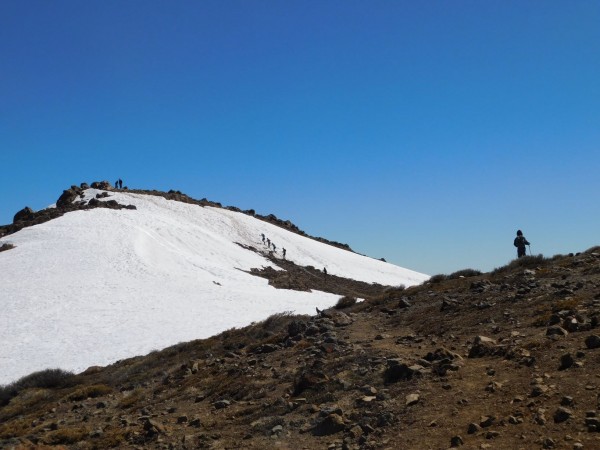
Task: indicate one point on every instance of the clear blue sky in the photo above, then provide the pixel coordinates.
(423, 132)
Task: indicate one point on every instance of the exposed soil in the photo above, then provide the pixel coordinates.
(506, 360)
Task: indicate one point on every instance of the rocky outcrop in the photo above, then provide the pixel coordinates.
(24, 215)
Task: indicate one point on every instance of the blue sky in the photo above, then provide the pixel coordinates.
(423, 132)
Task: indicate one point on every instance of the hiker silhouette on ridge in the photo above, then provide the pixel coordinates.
(520, 242)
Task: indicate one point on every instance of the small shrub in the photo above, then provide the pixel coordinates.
(132, 398)
(438, 278)
(465, 273)
(277, 321)
(570, 304)
(526, 262)
(345, 302)
(14, 428)
(66, 436)
(44, 379)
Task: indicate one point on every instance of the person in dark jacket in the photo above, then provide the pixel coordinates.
(520, 242)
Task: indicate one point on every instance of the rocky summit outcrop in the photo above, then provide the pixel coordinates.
(68, 201)
(511, 361)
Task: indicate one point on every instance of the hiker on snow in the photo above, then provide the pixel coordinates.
(520, 242)
(284, 250)
(263, 237)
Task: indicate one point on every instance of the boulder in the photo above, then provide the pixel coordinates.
(482, 346)
(331, 424)
(23, 215)
(592, 341)
(67, 198)
(102, 185)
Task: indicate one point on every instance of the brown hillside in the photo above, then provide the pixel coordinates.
(506, 360)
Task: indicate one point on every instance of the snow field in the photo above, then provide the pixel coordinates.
(93, 287)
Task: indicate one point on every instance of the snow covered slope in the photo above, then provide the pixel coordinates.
(95, 286)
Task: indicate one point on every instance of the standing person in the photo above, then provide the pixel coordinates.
(120, 184)
(117, 184)
(263, 237)
(324, 273)
(274, 248)
(520, 242)
(284, 251)
(268, 243)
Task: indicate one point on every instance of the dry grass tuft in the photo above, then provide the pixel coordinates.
(345, 302)
(96, 390)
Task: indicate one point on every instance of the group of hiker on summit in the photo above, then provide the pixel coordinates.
(270, 244)
(119, 184)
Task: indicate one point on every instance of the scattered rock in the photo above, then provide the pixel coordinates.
(562, 414)
(592, 341)
(456, 441)
(25, 214)
(412, 399)
(331, 424)
(556, 331)
(566, 361)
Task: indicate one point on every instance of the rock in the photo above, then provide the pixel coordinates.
(331, 424)
(25, 214)
(538, 389)
(296, 328)
(562, 414)
(309, 380)
(482, 346)
(473, 428)
(220, 404)
(182, 419)
(102, 185)
(153, 427)
(486, 421)
(404, 303)
(195, 422)
(492, 434)
(366, 399)
(266, 348)
(566, 361)
(592, 341)
(592, 423)
(567, 401)
(556, 331)
(412, 399)
(456, 441)
(67, 198)
(513, 420)
(493, 386)
(356, 431)
(398, 371)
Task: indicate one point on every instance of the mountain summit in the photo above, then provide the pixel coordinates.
(126, 272)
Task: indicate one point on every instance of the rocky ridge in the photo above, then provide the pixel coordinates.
(67, 202)
(504, 360)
